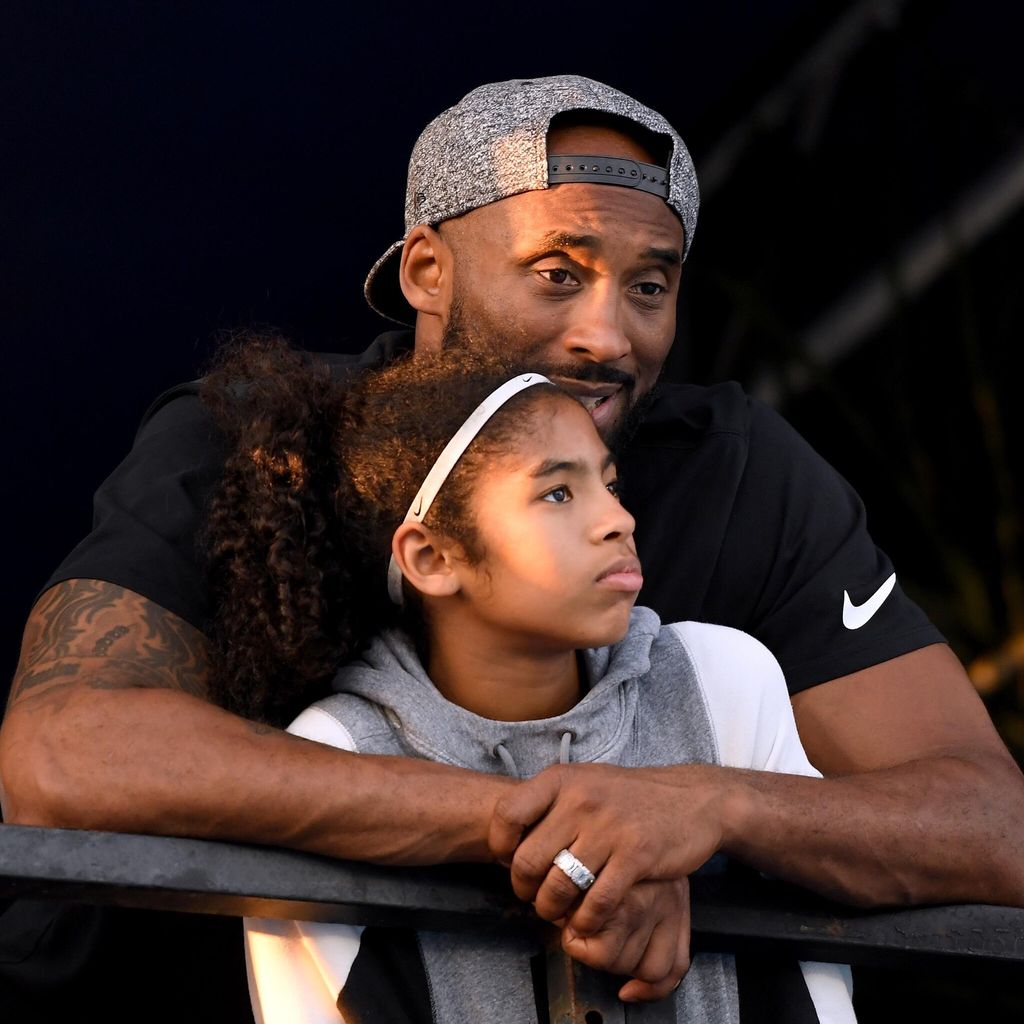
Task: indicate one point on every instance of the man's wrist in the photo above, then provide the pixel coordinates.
(480, 795)
(722, 800)
(738, 806)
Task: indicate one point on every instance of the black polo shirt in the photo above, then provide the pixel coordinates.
(739, 522)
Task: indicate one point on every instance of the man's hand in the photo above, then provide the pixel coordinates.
(646, 938)
(626, 825)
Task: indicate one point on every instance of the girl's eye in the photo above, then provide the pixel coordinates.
(559, 495)
(558, 275)
(613, 488)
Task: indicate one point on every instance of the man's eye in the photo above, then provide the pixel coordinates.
(650, 288)
(559, 495)
(558, 275)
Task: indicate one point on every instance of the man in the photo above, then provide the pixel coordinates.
(557, 212)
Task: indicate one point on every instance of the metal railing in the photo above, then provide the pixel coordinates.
(730, 914)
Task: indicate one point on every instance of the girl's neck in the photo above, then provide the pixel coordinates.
(503, 681)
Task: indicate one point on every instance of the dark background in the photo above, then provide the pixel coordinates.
(169, 171)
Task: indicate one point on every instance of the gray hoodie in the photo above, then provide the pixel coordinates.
(687, 693)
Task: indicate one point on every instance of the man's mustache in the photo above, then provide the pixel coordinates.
(458, 335)
(591, 373)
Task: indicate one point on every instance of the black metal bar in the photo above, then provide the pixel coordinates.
(225, 878)
(749, 915)
(197, 876)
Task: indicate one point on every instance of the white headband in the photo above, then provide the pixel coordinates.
(445, 463)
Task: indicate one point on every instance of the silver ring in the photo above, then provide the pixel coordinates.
(578, 873)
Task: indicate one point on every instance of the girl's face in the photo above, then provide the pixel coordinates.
(559, 567)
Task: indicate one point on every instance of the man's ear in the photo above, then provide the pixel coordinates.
(426, 561)
(426, 271)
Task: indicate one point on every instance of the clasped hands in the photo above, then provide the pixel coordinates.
(642, 832)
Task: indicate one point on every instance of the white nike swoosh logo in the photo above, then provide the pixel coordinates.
(856, 615)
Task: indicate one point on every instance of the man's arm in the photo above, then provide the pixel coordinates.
(923, 805)
(108, 727)
(914, 735)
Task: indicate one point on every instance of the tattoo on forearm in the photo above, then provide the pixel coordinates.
(61, 670)
(104, 643)
(106, 637)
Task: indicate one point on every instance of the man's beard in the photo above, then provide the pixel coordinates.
(617, 434)
(460, 333)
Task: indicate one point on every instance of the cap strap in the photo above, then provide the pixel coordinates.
(608, 170)
(446, 461)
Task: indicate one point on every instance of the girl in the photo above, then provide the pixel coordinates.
(448, 531)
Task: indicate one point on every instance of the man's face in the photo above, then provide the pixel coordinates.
(583, 278)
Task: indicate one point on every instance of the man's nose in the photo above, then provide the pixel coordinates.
(596, 333)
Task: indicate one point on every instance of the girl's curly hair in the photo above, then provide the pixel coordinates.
(319, 473)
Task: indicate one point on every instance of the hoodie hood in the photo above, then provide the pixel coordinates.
(599, 728)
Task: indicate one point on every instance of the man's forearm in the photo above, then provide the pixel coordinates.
(940, 829)
(108, 727)
(166, 762)
(922, 803)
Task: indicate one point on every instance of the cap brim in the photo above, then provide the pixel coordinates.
(382, 290)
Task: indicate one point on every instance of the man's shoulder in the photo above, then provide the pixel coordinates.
(684, 414)
(386, 347)
(179, 405)
(725, 418)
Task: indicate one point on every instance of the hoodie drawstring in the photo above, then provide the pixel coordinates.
(563, 749)
(508, 761)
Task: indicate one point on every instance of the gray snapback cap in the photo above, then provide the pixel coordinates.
(492, 145)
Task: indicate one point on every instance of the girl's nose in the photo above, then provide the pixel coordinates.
(617, 522)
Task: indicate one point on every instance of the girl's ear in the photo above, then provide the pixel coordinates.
(425, 561)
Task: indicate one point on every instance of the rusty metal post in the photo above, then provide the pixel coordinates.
(577, 994)
(580, 995)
